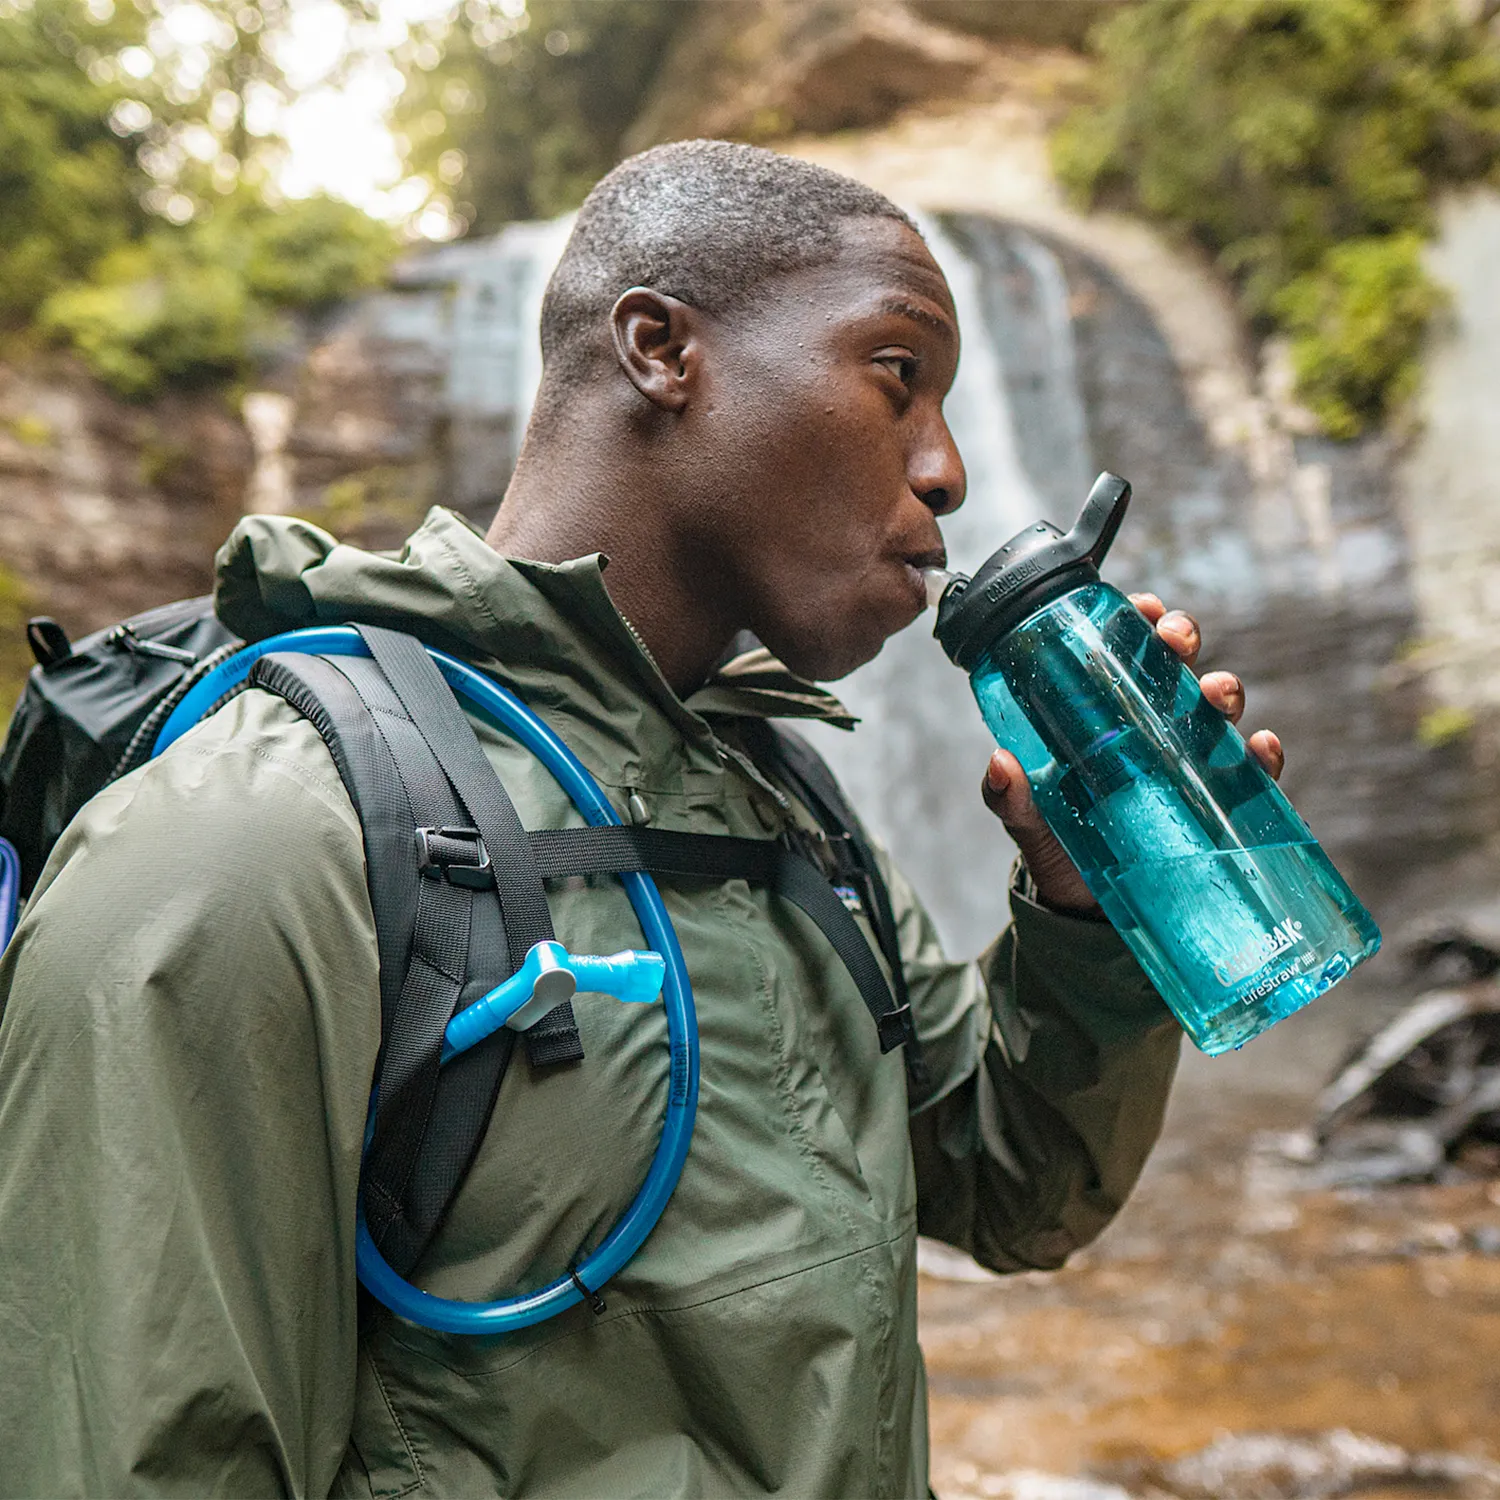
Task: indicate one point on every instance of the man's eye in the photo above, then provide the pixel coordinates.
(902, 366)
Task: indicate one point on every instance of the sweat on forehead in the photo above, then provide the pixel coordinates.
(702, 221)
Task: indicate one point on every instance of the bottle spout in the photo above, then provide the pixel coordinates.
(1034, 565)
(1095, 529)
(938, 581)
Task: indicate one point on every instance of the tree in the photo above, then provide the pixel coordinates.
(138, 219)
(189, 305)
(514, 112)
(1301, 142)
(70, 187)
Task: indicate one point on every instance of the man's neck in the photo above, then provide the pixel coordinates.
(550, 514)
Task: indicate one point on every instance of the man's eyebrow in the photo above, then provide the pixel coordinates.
(902, 308)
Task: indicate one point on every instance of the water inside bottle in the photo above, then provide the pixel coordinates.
(1229, 903)
(1271, 925)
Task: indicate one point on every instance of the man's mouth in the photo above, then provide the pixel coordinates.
(916, 565)
(933, 557)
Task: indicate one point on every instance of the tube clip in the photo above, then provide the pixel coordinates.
(549, 976)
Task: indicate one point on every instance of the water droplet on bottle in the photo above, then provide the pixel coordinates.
(1333, 971)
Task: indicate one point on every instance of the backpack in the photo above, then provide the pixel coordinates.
(456, 883)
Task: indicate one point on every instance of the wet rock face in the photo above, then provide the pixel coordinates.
(1047, 23)
(1293, 553)
(759, 69)
(106, 509)
(1300, 576)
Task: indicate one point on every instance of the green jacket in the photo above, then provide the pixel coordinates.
(189, 1029)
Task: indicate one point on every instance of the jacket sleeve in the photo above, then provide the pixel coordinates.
(1049, 1061)
(190, 1021)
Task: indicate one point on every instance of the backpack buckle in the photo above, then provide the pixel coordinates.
(457, 855)
(896, 1029)
(825, 852)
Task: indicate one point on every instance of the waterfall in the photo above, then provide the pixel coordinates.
(914, 765)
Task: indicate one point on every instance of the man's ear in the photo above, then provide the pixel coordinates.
(656, 342)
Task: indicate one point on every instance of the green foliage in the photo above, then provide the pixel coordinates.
(1444, 726)
(515, 116)
(187, 306)
(131, 224)
(1356, 326)
(69, 185)
(312, 253)
(375, 508)
(29, 429)
(1301, 142)
(17, 605)
(154, 318)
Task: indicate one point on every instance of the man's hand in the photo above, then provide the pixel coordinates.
(1008, 796)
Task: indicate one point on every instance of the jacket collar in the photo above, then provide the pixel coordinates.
(551, 629)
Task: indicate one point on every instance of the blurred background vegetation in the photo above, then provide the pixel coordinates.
(141, 223)
(1302, 142)
(142, 226)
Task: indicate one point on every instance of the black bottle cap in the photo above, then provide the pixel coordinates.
(1031, 569)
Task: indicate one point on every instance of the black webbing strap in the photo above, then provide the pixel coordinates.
(796, 762)
(658, 851)
(431, 706)
(441, 944)
(788, 756)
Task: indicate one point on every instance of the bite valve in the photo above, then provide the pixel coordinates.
(549, 976)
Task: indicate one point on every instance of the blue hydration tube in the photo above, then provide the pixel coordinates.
(511, 715)
(10, 890)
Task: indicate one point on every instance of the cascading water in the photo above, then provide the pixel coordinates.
(1064, 371)
(914, 765)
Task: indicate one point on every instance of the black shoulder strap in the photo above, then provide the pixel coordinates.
(442, 941)
(790, 757)
(659, 851)
(430, 706)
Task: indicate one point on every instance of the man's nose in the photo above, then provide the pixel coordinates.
(936, 472)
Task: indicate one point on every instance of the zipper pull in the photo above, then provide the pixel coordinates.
(123, 638)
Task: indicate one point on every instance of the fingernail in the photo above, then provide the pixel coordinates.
(1179, 621)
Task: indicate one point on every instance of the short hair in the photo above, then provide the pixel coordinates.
(703, 221)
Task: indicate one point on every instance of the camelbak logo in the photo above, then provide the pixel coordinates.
(1009, 581)
(1259, 951)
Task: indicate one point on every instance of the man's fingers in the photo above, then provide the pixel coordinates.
(1007, 793)
(1149, 605)
(1180, 631)
(1056, 879)
(1226, 692)
(1266, 748)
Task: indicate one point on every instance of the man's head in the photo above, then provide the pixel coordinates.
(758, 350)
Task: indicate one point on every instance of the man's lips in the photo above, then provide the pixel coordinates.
(934, 557)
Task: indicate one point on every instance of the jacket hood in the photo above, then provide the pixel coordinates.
(540, 626)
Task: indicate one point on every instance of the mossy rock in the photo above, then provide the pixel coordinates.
(1303, 143)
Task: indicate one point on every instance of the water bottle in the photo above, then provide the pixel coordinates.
(1205, 869)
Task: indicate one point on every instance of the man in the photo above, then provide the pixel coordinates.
(745, 361)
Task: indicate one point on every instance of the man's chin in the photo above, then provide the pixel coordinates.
(828, 662)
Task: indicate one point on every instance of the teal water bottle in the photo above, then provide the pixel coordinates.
(1214, 882)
